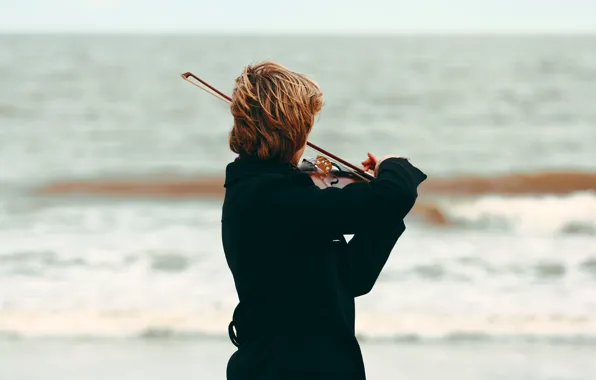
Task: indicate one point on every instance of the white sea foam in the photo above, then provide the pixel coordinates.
(154, 269)
(371, 326)
(549, 214)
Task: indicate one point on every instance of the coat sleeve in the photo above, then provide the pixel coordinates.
(369, 249)
(368, 252)
(351, 209)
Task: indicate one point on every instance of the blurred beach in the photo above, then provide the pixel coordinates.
(111, 166)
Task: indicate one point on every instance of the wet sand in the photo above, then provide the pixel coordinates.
(563, 182)
(206, 360)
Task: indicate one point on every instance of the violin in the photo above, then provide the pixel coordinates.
(326, 170)
(325, 173)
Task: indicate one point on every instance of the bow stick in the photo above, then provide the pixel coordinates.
(220, 95)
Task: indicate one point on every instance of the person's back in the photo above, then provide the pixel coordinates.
(295, 275)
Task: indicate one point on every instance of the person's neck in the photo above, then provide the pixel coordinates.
(296, 159)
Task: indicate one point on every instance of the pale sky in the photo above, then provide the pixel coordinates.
(305, 16)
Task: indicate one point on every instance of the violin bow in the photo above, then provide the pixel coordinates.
(220, 95)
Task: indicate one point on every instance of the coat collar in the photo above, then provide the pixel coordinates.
(245, 167)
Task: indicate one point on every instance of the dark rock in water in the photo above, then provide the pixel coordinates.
(589, 266)
(157, 333)
(434, 271)
(170, 262)
(550, 269)
(578, 228)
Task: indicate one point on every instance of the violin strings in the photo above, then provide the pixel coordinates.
(347, 168)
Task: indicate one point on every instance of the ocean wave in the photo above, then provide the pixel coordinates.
(562, 202)
(369, 327)
(571, 214)
(158, 334)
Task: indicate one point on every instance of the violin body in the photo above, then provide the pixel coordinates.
(326, 174)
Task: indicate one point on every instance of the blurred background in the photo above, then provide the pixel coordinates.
(111, 167)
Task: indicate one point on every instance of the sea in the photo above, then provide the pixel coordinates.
(100, 280)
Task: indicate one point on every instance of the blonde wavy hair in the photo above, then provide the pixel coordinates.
(274, 110)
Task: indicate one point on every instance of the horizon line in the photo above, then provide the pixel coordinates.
(288, 33)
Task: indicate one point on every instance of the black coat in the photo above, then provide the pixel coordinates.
(295, 274)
